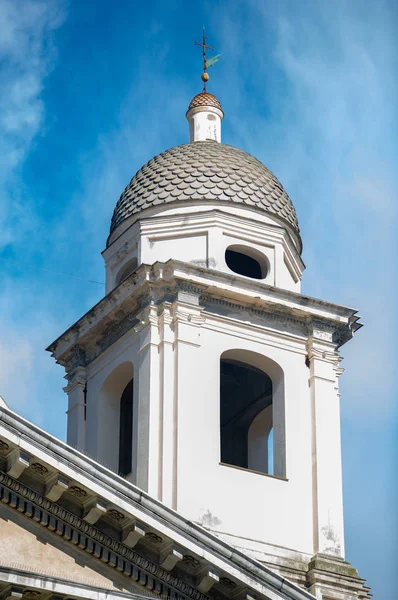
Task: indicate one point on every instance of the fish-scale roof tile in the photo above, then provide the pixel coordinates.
(205, 171)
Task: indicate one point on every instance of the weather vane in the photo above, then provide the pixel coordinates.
(206, 62)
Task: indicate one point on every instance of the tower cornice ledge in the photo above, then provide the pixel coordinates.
(121, 310)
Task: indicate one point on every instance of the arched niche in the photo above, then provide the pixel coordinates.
(116, 403)
(126, 270)
(252, 405)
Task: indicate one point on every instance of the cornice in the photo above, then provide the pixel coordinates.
(100, 546)
(98, 482)
(176, 281)
(17, 581)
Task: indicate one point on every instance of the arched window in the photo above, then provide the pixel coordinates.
(126, 270)
(126, 430)
(116, 417)
(251, 396)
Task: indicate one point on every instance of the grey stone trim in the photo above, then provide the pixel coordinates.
(58, 588)
(90, 539)
(118, 312)
(90, 469)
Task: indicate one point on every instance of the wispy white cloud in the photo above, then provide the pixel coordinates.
(27, 56)
(328, 79)
(323, 77)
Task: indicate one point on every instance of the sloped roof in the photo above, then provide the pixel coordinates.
(93, 487)
(204, 99)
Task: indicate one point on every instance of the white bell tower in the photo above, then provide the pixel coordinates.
(203, 375)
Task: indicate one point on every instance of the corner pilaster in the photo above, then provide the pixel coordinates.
(146, 425)
(77, 391)
(333, 578)
(323, 362)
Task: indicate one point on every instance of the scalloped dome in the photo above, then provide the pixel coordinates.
(205, 171)
(204, 99)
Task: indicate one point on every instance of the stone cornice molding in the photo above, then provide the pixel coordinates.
(55, 586)
(121, 310)
(90, 539)
(111, 489)
(77, 378)
(322, 352)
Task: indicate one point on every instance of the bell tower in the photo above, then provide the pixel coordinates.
(203, 375)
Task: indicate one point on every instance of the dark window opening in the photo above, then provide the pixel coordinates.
(126, 430)
(243, 264)
(245, 415)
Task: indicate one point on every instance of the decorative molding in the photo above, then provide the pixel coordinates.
(96, 543)
(324, 353)
(209, 578)
(163, 282)
(153, 538)
(115, 330)
(17, 463)
(77, 378)
(116, 515)
(77, 492)
(270, 315)
(4, 447)
(31, 595)
(56, 488)
(228, 583)
(39, 468)
(122, 309)
(77, 357)
(190, 562)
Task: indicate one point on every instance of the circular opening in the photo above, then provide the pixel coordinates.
(247, 262)
(211, 118)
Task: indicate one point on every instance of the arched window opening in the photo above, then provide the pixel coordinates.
(126, 430)
(116, 418)
(271, 452)
(246, 261)
(245, 415)
(126, 270)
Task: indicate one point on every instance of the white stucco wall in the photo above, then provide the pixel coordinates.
(204, 124)
(176, 442)
(174, 352)
(200, 235)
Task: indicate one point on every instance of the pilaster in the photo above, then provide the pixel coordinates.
(168, 407)
(146, 419)
(77, 390)
(324, 368)
(333, 578)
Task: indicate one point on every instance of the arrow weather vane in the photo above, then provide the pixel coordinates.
(206, 62)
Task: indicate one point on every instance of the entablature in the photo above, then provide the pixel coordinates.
(122, 309)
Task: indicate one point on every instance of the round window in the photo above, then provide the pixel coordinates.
(246, 261)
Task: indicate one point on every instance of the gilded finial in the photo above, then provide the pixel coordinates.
(206, 62)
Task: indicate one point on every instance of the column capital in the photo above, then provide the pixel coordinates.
(323, 360)
(76, 379)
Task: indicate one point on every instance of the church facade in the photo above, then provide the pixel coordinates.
(203, 455)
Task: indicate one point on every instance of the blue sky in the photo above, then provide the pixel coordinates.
(89, 91)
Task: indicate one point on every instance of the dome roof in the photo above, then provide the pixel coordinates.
(204, 99)
(205, 171)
